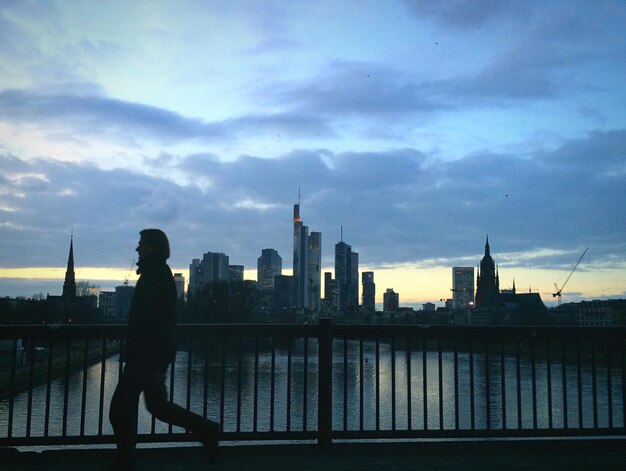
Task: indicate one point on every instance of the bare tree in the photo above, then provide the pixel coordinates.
(85, 288)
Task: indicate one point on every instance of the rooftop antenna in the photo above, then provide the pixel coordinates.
(298, 196)
(341, 233)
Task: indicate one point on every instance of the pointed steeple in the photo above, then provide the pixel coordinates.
(513, 285)
(69, 286)
(488, 281)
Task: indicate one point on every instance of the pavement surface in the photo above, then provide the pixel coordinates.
(596, 455)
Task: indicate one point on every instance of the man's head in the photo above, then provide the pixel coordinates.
(153, 241)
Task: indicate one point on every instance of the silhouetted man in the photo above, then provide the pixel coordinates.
(149, 349)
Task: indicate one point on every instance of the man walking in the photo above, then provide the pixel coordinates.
(149, 349)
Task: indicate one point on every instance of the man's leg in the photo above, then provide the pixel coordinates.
(123, 415)
(155, 394)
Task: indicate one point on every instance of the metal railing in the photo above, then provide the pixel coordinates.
(324, 382)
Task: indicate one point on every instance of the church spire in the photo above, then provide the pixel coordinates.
(69, 286)
(488, 281)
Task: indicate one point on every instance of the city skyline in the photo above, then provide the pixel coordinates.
(346, 266)
(419, 127)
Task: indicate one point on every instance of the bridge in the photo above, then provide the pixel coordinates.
(345, 392)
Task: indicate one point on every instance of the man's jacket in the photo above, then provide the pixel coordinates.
(150, 340)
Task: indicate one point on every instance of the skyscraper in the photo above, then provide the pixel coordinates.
(369, 291)
(123, 298)
(462, 287)
(347, 277)
(331, 294)
(235, 273)
(300, 262)
(106, 303)
(269, 264)
(391, 300)
(283, 298)
(306, 263)
(314, 271)
(179, 280)
(213, 267)
(195, 275)
(488, 282)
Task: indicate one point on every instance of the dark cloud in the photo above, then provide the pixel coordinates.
(545, 52)
(357, 88)
(395, 206)
(279, 125)
(393, 94)
(468, 13)
(609, 147)
(263, 180)
(97, 115)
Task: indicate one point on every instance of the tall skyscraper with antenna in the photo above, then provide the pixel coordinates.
(307, 252)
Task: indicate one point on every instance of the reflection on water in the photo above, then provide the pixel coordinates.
(401, 396)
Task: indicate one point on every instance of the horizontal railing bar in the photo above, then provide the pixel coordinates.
(336, 434)
(475, 433)
(156, 438)
(280, 330)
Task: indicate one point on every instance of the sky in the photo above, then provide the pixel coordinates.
(417, 126)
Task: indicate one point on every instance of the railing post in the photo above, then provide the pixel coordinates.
(325, 386)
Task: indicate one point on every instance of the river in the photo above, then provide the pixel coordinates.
(292, 376)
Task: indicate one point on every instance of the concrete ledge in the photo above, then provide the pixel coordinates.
(602, 454)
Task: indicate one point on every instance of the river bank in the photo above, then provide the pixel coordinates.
(37, 365)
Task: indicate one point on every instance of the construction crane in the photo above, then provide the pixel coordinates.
(129, 272)
(560, 290)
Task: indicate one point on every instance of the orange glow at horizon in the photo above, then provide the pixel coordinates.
(413, 284)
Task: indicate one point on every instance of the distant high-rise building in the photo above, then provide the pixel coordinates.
(123, 298)
(331, 294)
(488, 282)
(69, 285)
(314, 289)
(106, 303)
(213, 267)
(235, 273)
(391, 300)
(347, 277)
(269, 265)
(283, 293)
(353, 293)
(369, 291)
(195, 275)
(179, 280)
(462, 287)
(306, 257)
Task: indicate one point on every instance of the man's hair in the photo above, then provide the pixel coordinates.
(156, 239)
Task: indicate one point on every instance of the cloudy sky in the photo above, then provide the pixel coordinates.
(418, 126)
